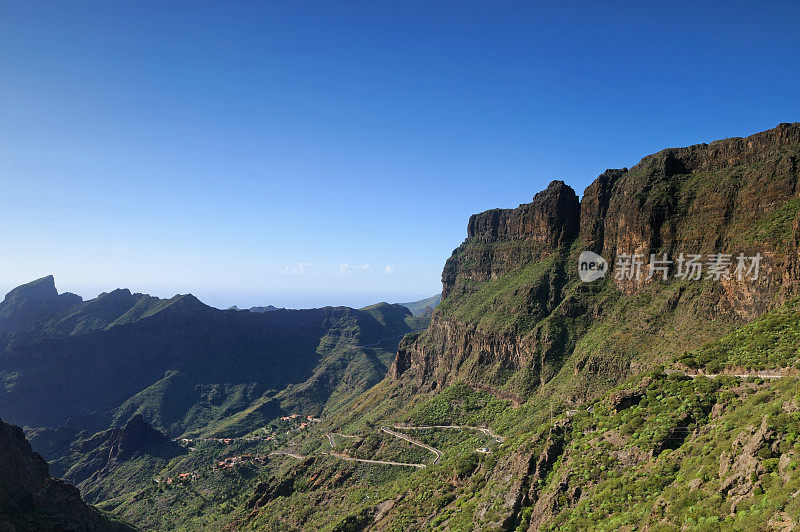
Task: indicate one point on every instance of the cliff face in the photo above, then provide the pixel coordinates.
(514, 313)
(501, 240)
(31, 500)
(703, 199)
(524, 251)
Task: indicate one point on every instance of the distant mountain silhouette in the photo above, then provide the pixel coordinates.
(92, 363)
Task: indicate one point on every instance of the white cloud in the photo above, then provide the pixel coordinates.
(299, 269)
(389, 269)
(347, 269)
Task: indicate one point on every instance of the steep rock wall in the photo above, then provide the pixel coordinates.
(500, 315)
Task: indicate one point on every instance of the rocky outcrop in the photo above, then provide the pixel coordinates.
(622, 399)
(737, 195)
(31, 500)
(501, 240)
(137, 435)
(551, 219)
(594, 206)
(516, 479)
(452, 349)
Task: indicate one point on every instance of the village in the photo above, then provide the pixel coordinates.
(230, 463)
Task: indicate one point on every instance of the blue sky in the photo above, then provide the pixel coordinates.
(311, 153)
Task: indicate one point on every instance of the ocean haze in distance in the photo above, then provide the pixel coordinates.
(214, 148)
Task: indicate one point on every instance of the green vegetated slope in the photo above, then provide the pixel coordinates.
(664, 451)
(769, 343)
(693, 454)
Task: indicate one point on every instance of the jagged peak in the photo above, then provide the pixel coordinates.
(555, 186)
(117, 292)
(42, 288)
(188, 300)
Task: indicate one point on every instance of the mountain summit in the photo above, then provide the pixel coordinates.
(30, 303)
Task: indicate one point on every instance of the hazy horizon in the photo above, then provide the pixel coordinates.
(246, 299)
(312, 154)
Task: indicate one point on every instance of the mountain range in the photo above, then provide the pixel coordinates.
(87, 363)
(527, 399)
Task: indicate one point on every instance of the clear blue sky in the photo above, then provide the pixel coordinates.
(246, 151)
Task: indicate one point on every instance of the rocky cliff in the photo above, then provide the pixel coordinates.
(702, 199)
(515, 315)
(501, 240)
(31, 500)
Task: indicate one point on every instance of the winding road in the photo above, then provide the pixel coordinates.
(487, 432)
(739, 375)
(379, 462)
(436, 452)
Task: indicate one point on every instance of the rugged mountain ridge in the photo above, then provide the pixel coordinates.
(104, 386)
(514, 314)
(85, 364)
